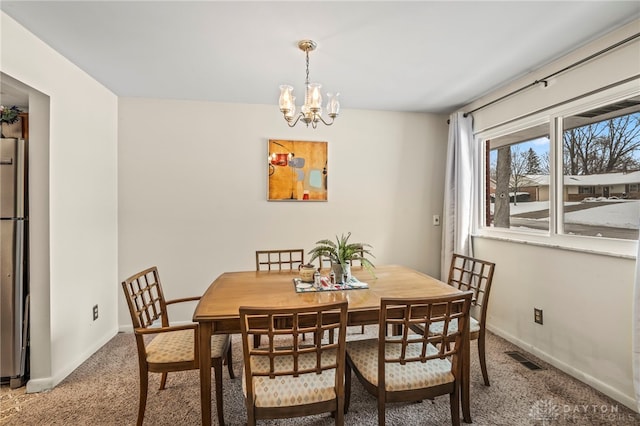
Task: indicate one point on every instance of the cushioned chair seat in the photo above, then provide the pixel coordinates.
(286, 391)
(413, 375)
(436, 327)
(177, 346)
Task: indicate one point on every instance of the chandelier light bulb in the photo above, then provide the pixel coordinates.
(333, 105)
(286, 98)
(315, 97)
(291, 111)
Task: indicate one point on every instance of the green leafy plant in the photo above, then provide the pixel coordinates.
(343, 252)
(9, 115)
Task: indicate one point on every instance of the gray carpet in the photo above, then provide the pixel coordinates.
(104, 391)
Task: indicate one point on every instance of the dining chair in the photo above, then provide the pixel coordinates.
(410, 366)
(171, 348)
(468, 273)
(286, 378)
(289, 259)
(267, 260)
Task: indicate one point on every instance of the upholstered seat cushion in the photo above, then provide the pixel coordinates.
(412, 375)
(177, 346)
(437, 327)
(287, 391)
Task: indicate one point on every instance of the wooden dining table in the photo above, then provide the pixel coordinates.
(217, 311)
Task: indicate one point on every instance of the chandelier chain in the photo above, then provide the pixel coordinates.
(307, 79)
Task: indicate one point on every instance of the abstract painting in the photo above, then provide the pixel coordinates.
(297, 170)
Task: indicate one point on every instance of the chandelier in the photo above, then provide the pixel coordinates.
(311, 111)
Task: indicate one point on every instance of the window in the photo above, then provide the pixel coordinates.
(600, 165)
(586, 190)
(569, 171)
(518, 184)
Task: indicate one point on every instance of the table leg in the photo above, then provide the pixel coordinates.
(204, 342)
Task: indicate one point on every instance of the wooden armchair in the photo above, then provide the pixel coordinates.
(412, 367)
(173, 348)
(289, 259)
(281, 260)
(468, 273)
(297, 380)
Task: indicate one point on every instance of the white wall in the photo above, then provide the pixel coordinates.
(73, 197)
(586, 297)
(193, 180)
(586, 301)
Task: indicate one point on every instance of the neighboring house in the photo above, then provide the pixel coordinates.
(577, 188)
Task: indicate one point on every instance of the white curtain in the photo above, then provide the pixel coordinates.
(458, 191)
(636, 330)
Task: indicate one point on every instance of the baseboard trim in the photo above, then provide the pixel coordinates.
(615, 394)
(125, 329)
(43, 384)
(39, 385)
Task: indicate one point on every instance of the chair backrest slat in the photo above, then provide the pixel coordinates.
(276, 323)
(467, 273)
(145, 298)
(289, 259)
(422, 312)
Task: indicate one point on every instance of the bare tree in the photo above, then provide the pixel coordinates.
(518, 170)
(493, 167)
(578, 147)
(545, 164)
(603, 147)
(622, 141)
(501, 211)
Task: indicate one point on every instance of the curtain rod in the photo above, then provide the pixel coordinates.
(567, 68)
(566, 101)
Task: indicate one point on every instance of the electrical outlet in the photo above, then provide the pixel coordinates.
(95, 312)
(537, 316)
(436, 220)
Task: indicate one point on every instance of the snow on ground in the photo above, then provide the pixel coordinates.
(528, 206)
(621, 214)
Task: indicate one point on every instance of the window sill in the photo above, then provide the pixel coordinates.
(626, 249)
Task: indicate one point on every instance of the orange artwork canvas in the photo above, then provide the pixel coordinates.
(297, 170)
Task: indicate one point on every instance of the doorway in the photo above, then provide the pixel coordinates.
(37, 105)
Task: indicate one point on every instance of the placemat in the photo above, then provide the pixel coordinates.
(352, 284)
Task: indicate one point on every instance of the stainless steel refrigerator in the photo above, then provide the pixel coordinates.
(14, 277)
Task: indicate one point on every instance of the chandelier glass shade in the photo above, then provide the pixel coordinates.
(311, 110)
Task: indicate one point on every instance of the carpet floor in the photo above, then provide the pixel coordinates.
(104, 391)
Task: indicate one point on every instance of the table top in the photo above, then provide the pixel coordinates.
(276, 289)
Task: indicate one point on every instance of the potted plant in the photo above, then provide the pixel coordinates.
(8, 115)
(341, 253)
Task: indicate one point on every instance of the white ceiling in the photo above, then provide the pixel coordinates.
(426, 56)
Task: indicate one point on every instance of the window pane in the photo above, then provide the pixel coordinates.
(517, 192)
(601, 166)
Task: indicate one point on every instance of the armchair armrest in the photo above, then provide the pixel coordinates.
(145, 331)
(183, 299)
